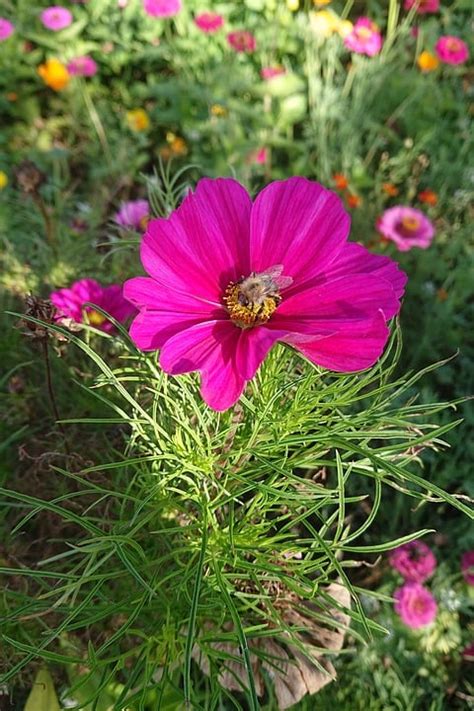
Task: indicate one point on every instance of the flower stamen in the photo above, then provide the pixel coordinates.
(252, 300)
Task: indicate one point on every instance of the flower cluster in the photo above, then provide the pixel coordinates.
(414, 603)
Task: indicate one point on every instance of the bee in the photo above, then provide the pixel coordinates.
(256, 289)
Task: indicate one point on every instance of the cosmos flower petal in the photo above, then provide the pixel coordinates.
(164, 312)
(203, 245)
(210, 348)
(355, 348)
(253, 347)
(297, 223)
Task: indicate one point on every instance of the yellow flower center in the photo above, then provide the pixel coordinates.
(364, 33)
(95, 318)
(251, 301)
(453, 44)
(410, 224)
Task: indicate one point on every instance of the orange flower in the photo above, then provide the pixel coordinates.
(138, 120)
(390, 189)
(54, 74)
(427, 62)
(176, 147)
(353, 201)
(340, 181)
(429, 197)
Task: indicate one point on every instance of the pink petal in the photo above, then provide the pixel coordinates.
(299, 224)
(252, 348)
(165, 312)
(335, 305)
(355, 348)
(210, 348)
(203, 245)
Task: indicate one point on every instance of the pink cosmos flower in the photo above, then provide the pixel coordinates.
(415, 605)
(70, 303)
(365, 38)
(209, 21)
(242, 41)
(268, 73)
(133, 214)
(407, 227)
(162, 8)
(56, 18)
(452, 50)
(229, 278)
(6, 29)
(83, 66)
(415, 561)
(423, 7)
(467, 567)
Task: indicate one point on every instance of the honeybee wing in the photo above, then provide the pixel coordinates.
(275, 273)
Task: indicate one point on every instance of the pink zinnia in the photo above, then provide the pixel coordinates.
(229, 278)
(242, 41)
(415, 605)
(451, 50)
(423, 7)
(209, 21)
(467, 567)
(162, 8)
(365, 38)
(82, 66)
(133, 214)
(70, 303)
(415, 561)
(6, 29)
(407, 227)
(268, 73)
(56, 18)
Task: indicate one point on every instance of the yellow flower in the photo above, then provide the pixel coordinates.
(219, 110)
(344, 28)
(138, 120)
(321, 3)
(3, 180)
(325, 22)
(54, 74)
(428, 62)
(293, 5)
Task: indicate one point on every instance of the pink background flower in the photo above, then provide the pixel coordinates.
(415, 605)
(162, 8)
(6, 29)
(364, 38)
(209, 21)
(452, 50)
(70, 303)
(414, 561)
(56, 18)
(83, 66)
(407, 227)
(423, 7)
(242, 41)
(268, 73)
(133, 214)
(328, 298)
(467, 567)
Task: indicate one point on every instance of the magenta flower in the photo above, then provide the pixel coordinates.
(133, 214)
(6, 29)
(83, 66)
(162, 8)
(268, 73)
(242, 41)
(467, 567)
(229, 278)
(70, 304)
(407, 227)
(451, 50)
(365, 38)
(209, 22)
(415, 605)
(468, 652)
(415, 561)
(423, 7)
(56, 18)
